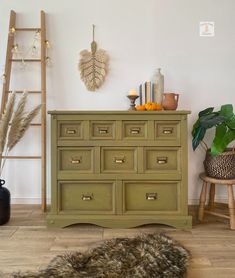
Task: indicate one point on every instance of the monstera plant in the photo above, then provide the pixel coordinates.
(224, 123)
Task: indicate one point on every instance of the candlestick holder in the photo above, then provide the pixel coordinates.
(132, 99)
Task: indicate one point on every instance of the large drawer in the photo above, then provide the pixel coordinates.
(79, 159)
(160, 159)
(150, 196)
(118, 159)
(70, 130)
(86, 196)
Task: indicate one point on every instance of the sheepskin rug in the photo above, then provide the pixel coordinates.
(145, 256)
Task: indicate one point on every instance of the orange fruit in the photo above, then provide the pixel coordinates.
(149, 106)
(140, 107)
(157, 106)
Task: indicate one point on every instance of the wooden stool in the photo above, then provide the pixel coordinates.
(211, 205)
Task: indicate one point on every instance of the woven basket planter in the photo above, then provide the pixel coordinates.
(221, 166)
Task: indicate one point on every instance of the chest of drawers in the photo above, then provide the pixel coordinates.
(119, 169)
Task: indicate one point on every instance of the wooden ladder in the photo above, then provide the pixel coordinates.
(6, 91)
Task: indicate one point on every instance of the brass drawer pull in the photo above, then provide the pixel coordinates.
(135, 130)
(103, 130)
(119, 160)
(71, 131)
(168, 130)
(87, 197)
(76, 160)
(151, 196)
(161, 160)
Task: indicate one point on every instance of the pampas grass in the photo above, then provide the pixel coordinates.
(11, 134)
(16, 121)
(5, 120)
(15, 137)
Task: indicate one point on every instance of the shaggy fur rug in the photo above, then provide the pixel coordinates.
(145, 256)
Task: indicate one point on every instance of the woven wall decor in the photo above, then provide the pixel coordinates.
(93, 66)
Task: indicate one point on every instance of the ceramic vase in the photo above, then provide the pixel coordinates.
(158, 86)
(5, 209)
(170, 101)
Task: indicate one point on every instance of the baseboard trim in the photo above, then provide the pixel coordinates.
(27, 201)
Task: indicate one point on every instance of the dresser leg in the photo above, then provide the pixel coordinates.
(211, 205)
(231, 206)
(202, 202)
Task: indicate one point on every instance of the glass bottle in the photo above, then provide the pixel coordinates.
(158, 86)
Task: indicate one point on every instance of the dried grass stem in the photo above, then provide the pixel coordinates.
(20, 120)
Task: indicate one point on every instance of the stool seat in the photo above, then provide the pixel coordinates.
(211, 205)
(204, 177)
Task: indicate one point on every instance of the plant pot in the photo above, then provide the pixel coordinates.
(5, 209)
(221, 166)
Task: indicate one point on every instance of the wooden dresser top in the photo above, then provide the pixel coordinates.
(118, 112)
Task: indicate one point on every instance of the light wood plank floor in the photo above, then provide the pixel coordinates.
(27, 244)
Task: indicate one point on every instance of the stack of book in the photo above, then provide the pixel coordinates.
(146, 92)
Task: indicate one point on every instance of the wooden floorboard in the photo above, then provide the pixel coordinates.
(27, 244)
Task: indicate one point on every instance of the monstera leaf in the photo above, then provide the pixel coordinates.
(204, 122)
(224, 123)
(93, 67)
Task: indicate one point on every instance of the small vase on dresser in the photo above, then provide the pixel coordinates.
(119, 169)
(170, 101)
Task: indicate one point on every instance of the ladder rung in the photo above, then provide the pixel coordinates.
(34, 124)
(25, 60)
(28, 29)
(21, 157)
(20, 92)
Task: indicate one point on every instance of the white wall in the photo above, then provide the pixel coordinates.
(139, 37)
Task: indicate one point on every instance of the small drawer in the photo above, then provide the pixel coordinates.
(70, 130)
(86, 196)
(114, 160)
(76, 159)
(160, 159)
(154, 196)
(134, 130)
(167, 130)
(102, 130)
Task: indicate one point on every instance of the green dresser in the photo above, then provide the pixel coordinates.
(119, 169)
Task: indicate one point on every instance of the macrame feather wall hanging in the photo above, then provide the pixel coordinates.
(93, 66)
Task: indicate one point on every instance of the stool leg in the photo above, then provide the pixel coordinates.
(231, 206)
(202, 202)
(212, 197)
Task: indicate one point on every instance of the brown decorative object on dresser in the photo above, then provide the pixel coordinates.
(170, 101)
(119, 169)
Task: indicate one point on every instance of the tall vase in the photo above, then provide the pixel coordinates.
(5, 209)
(158, 86)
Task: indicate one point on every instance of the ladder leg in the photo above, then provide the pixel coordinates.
(43, 111)
(8, 62)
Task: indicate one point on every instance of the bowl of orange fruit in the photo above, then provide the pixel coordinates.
(149, 106)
